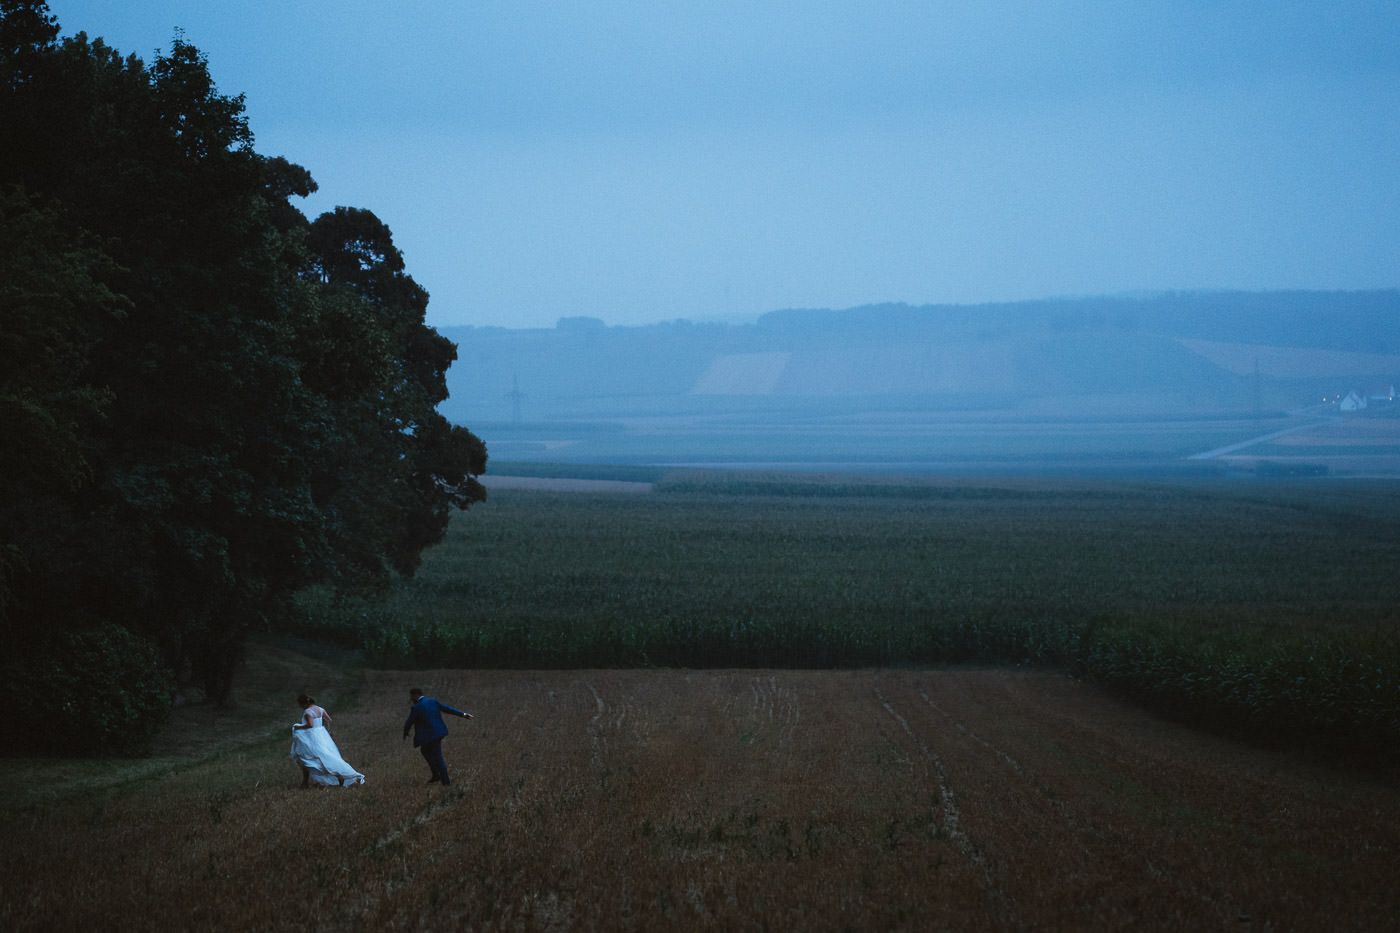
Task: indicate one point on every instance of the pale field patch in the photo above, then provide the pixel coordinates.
(1292, 362)
(1347, 432)
(726, 799)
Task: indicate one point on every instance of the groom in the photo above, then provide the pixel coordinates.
(425, 718)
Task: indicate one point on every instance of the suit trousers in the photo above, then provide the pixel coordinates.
(432, 754)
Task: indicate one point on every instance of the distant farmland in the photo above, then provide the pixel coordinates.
(1103, 437)
(1093, 385)
(1120, 435)
(1295, 362)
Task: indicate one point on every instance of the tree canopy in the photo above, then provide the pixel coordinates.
(208, 402)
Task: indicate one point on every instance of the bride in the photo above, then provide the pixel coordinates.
(314, 749)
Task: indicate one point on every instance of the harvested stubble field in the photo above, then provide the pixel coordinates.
(959, 798)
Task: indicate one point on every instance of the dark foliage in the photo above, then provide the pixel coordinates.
(93, 691)
(207, 402)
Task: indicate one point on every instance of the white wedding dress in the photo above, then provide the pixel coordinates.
(315, 750)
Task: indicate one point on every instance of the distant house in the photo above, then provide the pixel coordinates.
(1352, 402)
(1382, 394)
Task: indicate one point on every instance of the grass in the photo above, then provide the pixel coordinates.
(262, 708)
(1268, 608)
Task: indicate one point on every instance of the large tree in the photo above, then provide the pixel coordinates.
(207, 402)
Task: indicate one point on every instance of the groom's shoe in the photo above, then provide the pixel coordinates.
(434, 780)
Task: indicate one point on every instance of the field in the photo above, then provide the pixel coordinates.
(1227, 560)
(961, 798)
(1259, 608)
(1356, 445)
(655, 746)
(1103, 434)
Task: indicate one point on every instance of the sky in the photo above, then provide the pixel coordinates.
(716, 159)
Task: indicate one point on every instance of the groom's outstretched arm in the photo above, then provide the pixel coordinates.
(454, 712)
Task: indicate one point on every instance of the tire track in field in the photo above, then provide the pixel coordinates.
(958, 724)
(1117, 758)
(1084, 838)
(949, 804)
(414, 858)
(1069, 819)
(422, 817)
(779, 705)
(369, 897)
(762, 700)
(597, 740)
(606, 717)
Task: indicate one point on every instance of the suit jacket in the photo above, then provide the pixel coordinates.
(425, 718)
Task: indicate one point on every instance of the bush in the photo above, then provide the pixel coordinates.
(100, 691)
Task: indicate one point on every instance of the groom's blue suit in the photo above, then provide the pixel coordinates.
(425, 718)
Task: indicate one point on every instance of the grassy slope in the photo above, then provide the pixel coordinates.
(262, 710)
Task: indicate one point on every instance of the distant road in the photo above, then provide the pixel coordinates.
(550, 484)
(1231, 448)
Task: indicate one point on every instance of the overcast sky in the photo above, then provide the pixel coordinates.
(643, 161)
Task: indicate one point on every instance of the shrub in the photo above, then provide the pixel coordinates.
(99, 691)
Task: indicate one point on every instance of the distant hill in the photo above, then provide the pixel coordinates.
(1181, 350)
(1364, 321)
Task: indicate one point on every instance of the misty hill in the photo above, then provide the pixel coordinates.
(1186, 351)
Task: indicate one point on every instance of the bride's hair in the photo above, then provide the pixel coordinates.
(305, 700)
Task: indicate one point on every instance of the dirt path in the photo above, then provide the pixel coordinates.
(796, 800)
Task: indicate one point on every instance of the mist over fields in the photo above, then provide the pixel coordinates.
(1081, 384)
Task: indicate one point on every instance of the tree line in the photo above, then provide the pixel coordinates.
(208, 401)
